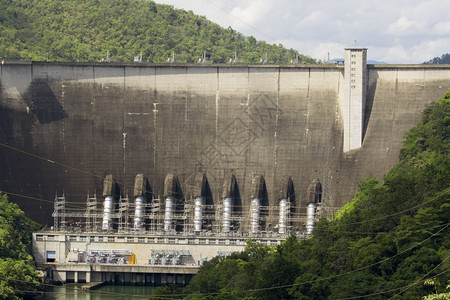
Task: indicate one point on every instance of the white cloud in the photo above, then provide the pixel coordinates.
(393, 31)
(315, 17)
(403, 26)
(441, 28)
(427, 50)
(252, 13)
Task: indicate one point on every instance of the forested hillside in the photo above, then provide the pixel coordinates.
(85, 30)
(391, 240)
(444, 59)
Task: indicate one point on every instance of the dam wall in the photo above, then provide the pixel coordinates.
(64, 126)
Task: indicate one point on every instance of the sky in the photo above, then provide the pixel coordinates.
(394, 31)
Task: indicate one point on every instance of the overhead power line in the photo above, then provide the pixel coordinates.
(244, 22)
(445, 226)
(50, 161)
(445, 192)
(403, 288)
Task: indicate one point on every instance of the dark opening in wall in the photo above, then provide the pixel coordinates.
(51, 256)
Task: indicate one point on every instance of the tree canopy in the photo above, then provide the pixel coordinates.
(86, 30)
(390, 241)
(18, 276)
(444, 59)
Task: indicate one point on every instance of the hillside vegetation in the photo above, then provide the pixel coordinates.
(391, 240)
(444, 59)
(18, 277)
(85, 30)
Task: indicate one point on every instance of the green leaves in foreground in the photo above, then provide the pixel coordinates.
(17, 272)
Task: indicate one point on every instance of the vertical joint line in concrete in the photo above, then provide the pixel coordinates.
(307, 109)
(276, 125)
(275, 155)
(217, 105)
(349, 109)
(186, 100)
(63, 119)
(123, 120)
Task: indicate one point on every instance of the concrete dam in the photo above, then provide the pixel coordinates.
(271, 132)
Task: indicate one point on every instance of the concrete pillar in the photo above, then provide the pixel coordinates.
(171, 279)
(88, 276)
(354, 101)
(62, 249)
(181, 279)
(59, 276)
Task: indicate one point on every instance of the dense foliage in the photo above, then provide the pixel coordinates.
(18, 276)
(444, 59)
(85, 30)
(391, 240)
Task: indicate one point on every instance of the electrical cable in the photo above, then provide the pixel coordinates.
(446, 191)
(26, 197)
(445, 226)
(400, 288)
(67, 166)
(371, 265)
(77, 292)
(249, 25)
(333, 276)
(422, 278)
(253, 290)
(74, 288)
(91, 174)
(442, 193)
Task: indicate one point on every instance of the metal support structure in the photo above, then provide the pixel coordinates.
(123, 214)
(91, 213)
(59, 218)
(155, 216)
(162, 217)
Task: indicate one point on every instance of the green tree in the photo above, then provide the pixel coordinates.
(444, 59)
(76, 30)
(18, 276)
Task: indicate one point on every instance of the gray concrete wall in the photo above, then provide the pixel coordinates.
(274, 121)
